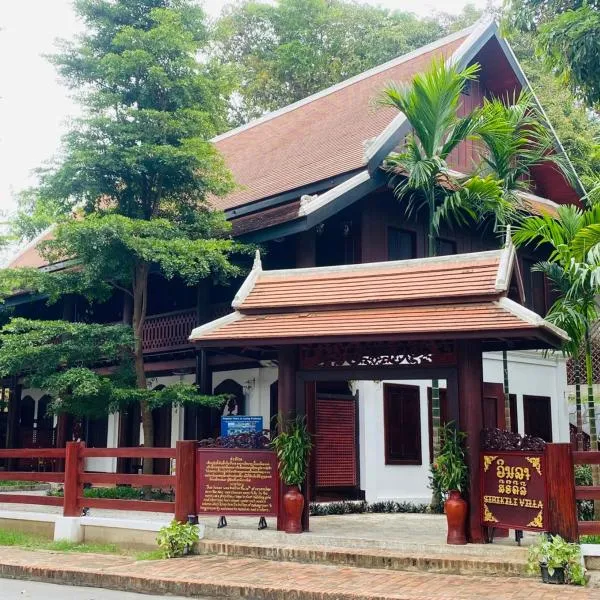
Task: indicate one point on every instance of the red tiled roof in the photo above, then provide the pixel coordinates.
(429, 279)
(320, 138)
(30, 256)
(370, 322)
(461, 295)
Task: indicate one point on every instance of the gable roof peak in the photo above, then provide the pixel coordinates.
(350, 81)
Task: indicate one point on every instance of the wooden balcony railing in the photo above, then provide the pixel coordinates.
(170, 331)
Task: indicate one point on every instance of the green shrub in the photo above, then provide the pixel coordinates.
(554, 552)
(585, 508)
(320, 509)
(177, 539)
(292, 446)
(121, 492)
(583, 475)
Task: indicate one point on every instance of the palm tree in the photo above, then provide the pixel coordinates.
(512, 151)
(574, 270)
(421, 172)
(423, 179)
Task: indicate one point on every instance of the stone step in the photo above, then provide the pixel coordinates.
(449, 562)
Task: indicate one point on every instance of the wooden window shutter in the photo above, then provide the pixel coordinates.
(402, 424)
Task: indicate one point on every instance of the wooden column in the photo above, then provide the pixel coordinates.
(288, 360)
(197, 419)
(306, 249)
(561, 511)
(73, 486)
(185, 480)
(470, 387)
(13, 419)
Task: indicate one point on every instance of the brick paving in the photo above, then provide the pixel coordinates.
(268, 580)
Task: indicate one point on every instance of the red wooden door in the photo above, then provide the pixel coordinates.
(538, 416)
(335, 455)
(493, 406)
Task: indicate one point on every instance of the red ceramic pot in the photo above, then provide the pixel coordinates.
(293, 505)
(456, 515)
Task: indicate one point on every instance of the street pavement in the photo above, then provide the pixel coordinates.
(13, 589)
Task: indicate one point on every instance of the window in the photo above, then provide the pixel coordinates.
(402, 424)
(534, 288)
(514, 423)
(445, 247)
(402, 244)
(95, 432)
(538, 417)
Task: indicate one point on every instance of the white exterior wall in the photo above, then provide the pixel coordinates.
(389, 482)
(530, 373)
(255, 382)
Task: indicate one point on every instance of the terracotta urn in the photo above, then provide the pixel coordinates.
(293, 505)
(456, 515)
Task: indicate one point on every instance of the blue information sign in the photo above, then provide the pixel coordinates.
(240, 424)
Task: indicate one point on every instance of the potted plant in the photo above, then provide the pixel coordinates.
(292, 446)
(559, 561)
(449, 474)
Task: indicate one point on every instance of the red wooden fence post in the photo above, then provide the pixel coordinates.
(561, 511)
(73, 486)
(185, 479)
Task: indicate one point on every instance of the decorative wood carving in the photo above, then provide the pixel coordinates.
(376, 354)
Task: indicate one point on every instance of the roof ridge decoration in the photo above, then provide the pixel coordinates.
(249, 282)
(530, 317)
(347, 82)
(507, 262)
(386, 264)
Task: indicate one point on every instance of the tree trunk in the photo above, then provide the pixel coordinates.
(578, 411)
(589, 376)
(507, 424)
(436, 499)
(140, 298)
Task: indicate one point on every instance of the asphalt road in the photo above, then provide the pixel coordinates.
(30, 590)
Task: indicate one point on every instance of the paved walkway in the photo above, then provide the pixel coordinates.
(269, 580)
(31, 590)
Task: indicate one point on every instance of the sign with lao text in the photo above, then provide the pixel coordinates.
(513, 490)
(236, 424)
(237, 482)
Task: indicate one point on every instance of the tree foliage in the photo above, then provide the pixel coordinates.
(566, 36)
(287, 50)
(86, 368)
(129, 192)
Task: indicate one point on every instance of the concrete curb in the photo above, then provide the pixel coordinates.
(149, 585)
(370, 559)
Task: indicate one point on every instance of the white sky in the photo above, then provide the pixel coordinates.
(35, 108)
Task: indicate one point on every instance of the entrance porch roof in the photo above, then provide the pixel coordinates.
(449, 297)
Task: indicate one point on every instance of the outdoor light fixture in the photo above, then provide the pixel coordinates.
(248, 385)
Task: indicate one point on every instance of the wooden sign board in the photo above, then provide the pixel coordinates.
(513, 490)
(237, 482)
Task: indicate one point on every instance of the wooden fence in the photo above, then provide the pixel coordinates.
(587, 492)
(74, 477)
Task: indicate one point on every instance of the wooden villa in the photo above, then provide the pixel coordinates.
(341, 317)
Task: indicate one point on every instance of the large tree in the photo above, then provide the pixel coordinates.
(130, 188)
(577, 126)
(287, 50)
(567, 34)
